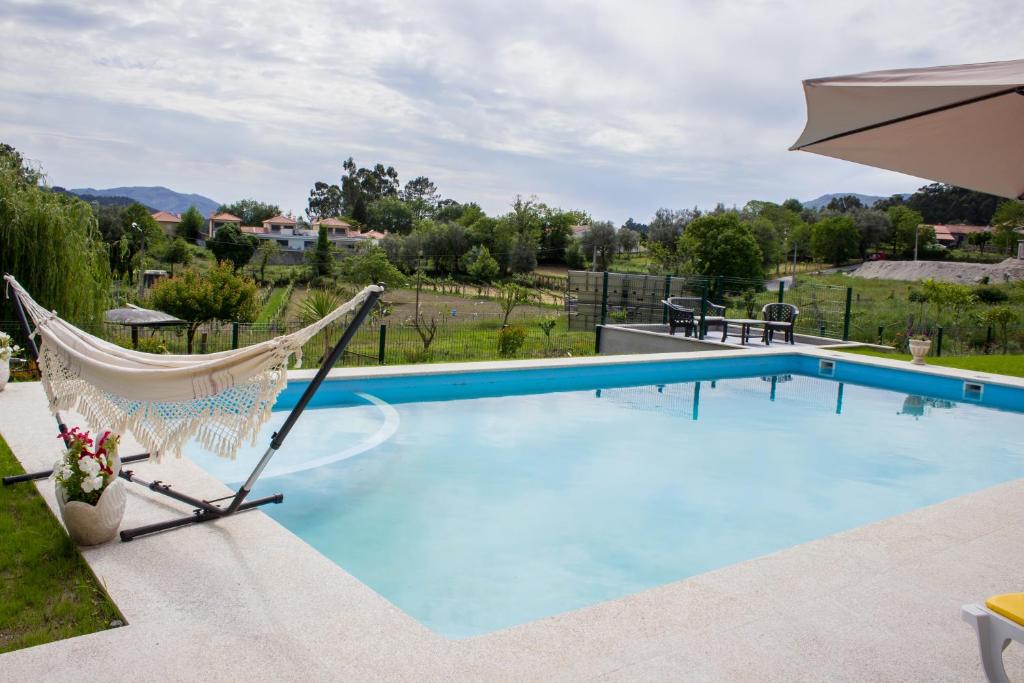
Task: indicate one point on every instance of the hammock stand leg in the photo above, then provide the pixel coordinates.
(207, 510)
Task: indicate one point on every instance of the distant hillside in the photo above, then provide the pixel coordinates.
(159, 198)
(106, 200)
(822, 201)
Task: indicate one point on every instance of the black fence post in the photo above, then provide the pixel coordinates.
(604, 299)
(938, 344)
(881, 331)
(782, 291)
(703, 310)
(597, 338)
(381, 343)
(668, 293)
(846, 315)
(988, 340)
(234, 335)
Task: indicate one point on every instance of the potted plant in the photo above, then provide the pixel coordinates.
(7, 349)
(919, 346)
(90, 496)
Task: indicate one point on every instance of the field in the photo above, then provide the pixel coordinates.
(49, 593)
(883, 312)
(1000, 365)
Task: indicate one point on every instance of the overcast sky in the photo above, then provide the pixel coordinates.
(613, 107)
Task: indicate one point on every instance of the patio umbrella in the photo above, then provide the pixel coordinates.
(961, 125)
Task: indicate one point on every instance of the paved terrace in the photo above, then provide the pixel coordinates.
(248, 600)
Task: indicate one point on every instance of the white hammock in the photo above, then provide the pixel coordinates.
(164, 400)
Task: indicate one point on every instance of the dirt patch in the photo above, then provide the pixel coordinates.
(403, 306)
(966, 273)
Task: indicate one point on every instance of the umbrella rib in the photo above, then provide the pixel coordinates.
(973, 100)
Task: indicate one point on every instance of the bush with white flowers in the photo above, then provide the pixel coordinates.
(7, 347)
(86, 468)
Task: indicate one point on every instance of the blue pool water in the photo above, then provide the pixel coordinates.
(533, 494)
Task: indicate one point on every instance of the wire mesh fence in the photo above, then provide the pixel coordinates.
(388, 340)
(596, 298)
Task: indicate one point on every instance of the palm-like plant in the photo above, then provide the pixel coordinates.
(318, 304)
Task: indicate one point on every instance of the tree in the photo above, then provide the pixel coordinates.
(220, 294)
(768, 241)
(667, 225)
(321, 259)
(391, 215)
(980, 239)
(230, 244)
(177, 252)
(267, 251)
(192, 224)
(1006, 220)
(904, 228)
(371, 267)
(511, 295)
(251, 211)
(599, 241)
(641, 228)
(1000, 318)
(945, 204)
(793, 205)
(721, 245)
(844, 204)
(324, 201)
(523, 258)
(480, 265)
(872, 227)
(420, 195)
(628, 240)
(51, 243)
(835, 239)
(361, 186)
(137, 228)
(574, 257)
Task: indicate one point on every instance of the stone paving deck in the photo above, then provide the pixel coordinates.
(247, 600)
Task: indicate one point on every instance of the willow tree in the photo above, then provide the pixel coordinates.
(51, 243)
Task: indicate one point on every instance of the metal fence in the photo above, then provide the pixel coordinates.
(599, 298)
(379, 341)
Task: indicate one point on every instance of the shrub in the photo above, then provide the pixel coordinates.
(511, 340)
(147, 345)
(989, 294)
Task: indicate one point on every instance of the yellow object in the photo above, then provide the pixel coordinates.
(1009, 605)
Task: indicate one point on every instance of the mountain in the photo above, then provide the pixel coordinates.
(822, 201)
(159, 198)
(105, 200)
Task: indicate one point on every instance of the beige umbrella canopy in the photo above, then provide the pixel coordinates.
(961, 125)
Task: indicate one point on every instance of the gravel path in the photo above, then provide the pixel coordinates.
(967, 273)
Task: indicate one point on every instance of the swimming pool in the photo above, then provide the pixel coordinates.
(477, 501)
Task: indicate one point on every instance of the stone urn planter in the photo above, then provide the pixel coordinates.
(5, 371)
(93, 524)
(919, 349)
(90, 496)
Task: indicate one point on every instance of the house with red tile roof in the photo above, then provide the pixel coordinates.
(955, 236)
(219, 220)
(168, 222)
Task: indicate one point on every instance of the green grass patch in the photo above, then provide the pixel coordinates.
(273, 305)
(1012, 365)
(47, 591)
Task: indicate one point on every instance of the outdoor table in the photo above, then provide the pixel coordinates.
(744, 324)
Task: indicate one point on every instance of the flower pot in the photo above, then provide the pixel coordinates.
(5, 371)
(94, 524)
(919, 349)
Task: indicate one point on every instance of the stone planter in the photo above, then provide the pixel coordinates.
(919, 349)
(94, 524)
(5, 372)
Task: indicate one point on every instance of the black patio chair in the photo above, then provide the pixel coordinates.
(684, 311)
(779, 317)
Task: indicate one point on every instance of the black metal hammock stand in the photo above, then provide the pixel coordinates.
(217, 508)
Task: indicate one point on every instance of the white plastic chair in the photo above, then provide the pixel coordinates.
(994, 635)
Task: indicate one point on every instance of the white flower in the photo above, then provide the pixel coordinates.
(66, 471)
(89, 466)
(90, 484)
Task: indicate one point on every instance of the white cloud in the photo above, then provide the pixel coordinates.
(613, 107)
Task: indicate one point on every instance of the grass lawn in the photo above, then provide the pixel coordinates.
(47, 592)
(272, 306)
(995, 364)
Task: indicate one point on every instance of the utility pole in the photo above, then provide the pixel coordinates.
(794, 263)
(917, 231)
(142, 261)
